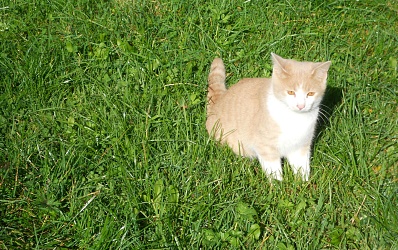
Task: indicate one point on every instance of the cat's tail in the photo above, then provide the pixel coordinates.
(216, 82)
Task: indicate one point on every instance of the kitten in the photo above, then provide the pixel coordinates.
(269, 119)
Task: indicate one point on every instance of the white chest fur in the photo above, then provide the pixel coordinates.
(297, 128)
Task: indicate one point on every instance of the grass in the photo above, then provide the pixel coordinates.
(102, 136)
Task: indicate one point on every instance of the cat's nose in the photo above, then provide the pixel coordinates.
(300, 106)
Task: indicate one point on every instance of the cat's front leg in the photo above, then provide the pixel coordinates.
(272, 169)
(300, 162)
(270, 163)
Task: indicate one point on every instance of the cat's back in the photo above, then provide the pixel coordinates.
(248, 89)
(235, 115)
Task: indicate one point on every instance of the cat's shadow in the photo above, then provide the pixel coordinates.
(332, 99)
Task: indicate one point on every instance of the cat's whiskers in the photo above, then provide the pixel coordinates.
(323, 114)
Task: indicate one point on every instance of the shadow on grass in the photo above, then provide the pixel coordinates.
(331, 100)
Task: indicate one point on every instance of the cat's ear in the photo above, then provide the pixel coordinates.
(279, 67)
(320, 70)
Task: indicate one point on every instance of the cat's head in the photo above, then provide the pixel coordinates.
(300, 85)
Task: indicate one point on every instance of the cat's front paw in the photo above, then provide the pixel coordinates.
(304, 172)
(300, 164)
(272, 169)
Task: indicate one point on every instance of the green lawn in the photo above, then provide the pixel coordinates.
(102, 126)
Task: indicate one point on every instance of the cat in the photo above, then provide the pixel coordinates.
(269, 118)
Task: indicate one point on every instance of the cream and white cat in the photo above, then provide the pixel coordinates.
(269, 119)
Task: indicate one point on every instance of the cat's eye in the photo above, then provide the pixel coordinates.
(310, 94)
(291, 92)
